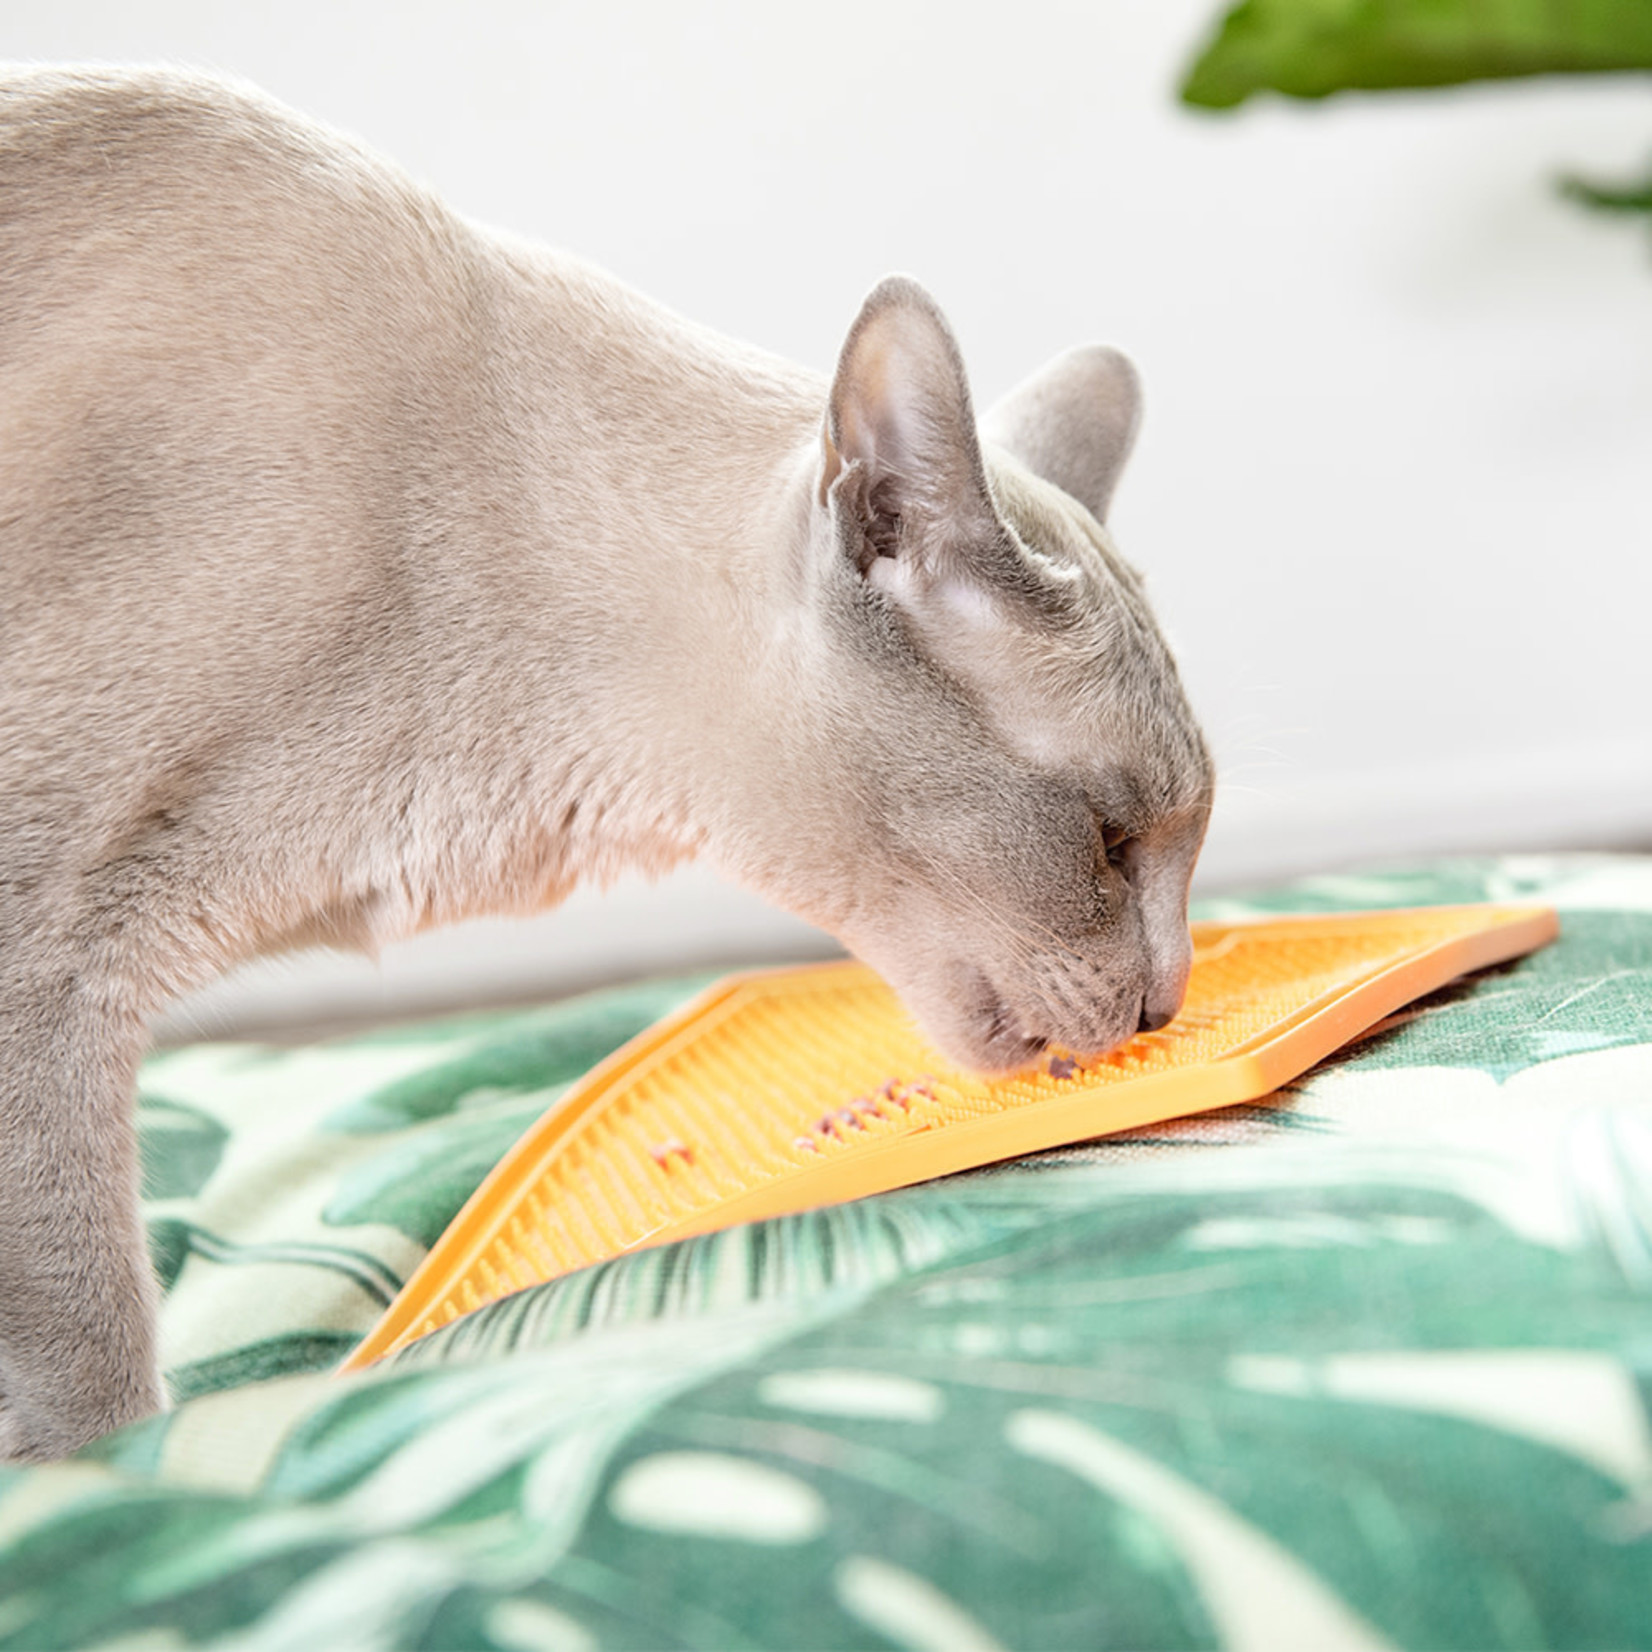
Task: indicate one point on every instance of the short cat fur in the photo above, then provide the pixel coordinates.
(363, 570)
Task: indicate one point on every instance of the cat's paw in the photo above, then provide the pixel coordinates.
(15, 1445)
(43, 1435)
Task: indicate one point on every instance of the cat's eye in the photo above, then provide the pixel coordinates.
(1115, 845)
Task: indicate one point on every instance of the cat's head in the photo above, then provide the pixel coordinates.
(998, 789)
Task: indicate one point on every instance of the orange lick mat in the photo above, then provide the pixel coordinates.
(789, 1089)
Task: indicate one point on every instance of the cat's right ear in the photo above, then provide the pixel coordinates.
(1073, 422)
(901, 467)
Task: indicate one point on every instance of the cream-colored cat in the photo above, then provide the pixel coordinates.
(362, 570)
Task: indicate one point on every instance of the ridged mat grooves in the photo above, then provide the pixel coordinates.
(788, 1089)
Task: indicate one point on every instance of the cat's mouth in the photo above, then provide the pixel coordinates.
(1006, 1045)
(1003, 1039)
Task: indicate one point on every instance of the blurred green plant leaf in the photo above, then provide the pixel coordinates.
(1634, 197)
(1311, 48)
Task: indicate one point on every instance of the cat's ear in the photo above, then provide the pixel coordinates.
(1073, 422)
(901, 464)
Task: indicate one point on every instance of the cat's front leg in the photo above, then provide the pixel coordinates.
(77, 1294)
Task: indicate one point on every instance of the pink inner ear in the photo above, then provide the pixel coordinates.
(900, 402)
(879, 422)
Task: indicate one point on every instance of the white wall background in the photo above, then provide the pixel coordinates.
(1394, 492)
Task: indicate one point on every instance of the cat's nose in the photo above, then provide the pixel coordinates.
(1153, 1016)
(1166, 986)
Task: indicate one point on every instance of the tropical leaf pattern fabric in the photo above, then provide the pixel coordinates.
(1368, 1364)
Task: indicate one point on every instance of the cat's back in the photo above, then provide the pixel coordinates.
(230, 341)
(142, 209)
(166, 168)
(74, 139)
(212, 311)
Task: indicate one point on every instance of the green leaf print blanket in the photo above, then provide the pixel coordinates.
(1365, 1365)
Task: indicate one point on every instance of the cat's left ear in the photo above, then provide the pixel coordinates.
(1073, 422)
(901, 464)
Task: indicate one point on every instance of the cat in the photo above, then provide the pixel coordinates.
(363, 570)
